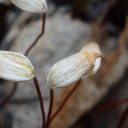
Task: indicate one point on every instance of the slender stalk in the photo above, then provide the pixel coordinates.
(123, 118)
(64, 101)
(41, 34)
(50, 107)
(41, 100)
(6, 100)
(35, 79)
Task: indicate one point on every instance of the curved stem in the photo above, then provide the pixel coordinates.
(35, 79)
(64, 101)
(41, 100)
(123, 118)
(6, 100)
(50, 107)
(41, 34)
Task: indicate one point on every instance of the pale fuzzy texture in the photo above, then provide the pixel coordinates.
(35, 6)
(71, 69)
(15, 67)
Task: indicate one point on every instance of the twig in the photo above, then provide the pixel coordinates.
(64, 101)
(123, 118)
(41, 100)
(50, 107)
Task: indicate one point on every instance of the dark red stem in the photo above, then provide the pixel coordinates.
(50, 107)
(41, 100)
(64, 101)
(41, 34)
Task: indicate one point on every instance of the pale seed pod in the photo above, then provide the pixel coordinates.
(34, 6)
(75, 67)
(15, 67)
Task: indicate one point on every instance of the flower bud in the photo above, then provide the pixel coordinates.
(15, 67)
(77, 66)
(35, 6)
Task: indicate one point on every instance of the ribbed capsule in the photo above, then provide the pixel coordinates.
(73, 68)
(35, 6)
(15, 67)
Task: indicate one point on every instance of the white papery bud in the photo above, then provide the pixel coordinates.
(15, 67)
(35, 6)
(71, 69)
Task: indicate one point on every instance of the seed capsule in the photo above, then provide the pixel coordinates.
(15, 67)
(35, 6)
(75, 67)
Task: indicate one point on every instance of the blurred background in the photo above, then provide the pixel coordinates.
(70, 25)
